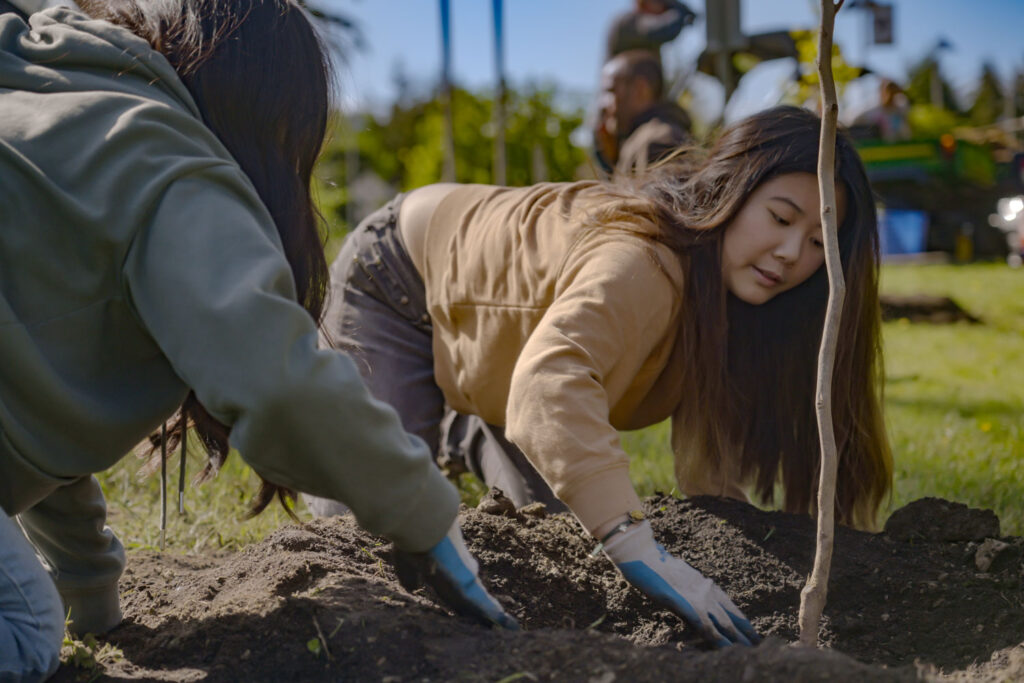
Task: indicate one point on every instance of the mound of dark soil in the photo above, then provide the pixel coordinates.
(923, 308)
(901, 607)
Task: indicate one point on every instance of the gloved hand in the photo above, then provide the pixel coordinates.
(677, 586)
(451, 571)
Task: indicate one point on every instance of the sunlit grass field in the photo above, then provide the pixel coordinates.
(955, 413)
(955, 393)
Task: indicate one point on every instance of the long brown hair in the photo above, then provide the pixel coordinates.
(259, 75)
(747, 414)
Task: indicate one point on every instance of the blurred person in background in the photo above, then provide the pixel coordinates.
(887, 120)
(636, 126)
(648, 26)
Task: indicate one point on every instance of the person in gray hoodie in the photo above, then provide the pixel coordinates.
(160, 256)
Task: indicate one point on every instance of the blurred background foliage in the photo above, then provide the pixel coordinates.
(368, 158)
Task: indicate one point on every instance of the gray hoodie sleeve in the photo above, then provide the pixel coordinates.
(209, 280)
(82, 554)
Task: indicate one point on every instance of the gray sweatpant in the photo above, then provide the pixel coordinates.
(377, 313)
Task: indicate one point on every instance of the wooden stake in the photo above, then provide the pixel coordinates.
(812, 597)
(163, 484)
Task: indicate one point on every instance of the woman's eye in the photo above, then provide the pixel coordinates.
(777, 218)
(816, 241)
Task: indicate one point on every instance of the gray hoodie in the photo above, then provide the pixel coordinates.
(137, 262)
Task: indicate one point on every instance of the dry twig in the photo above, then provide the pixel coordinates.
(323, 641)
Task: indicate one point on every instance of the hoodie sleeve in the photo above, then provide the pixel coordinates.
(209, 280)
(614, 309)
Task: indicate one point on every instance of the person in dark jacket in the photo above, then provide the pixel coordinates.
(636, 125)
(649, 25)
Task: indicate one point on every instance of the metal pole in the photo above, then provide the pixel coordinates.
(181, 465)
(448, 137)
(163, 484)
(722, 20)
(935, 83)
(1008, 111)
(351, 125)
(499, 96)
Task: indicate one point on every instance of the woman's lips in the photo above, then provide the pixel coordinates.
(766, 278)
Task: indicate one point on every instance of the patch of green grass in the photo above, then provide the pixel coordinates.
(87, 656)
(650, 462)
(214, 511)
(955, 393)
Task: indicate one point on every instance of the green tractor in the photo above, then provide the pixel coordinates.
(954, 182)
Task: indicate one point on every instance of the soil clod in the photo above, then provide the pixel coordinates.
(934, 519)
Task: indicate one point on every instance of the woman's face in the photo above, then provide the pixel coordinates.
(775, 242)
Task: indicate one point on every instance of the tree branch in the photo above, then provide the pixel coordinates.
(812, 597)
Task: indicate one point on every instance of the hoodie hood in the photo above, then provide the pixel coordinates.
(61, 50)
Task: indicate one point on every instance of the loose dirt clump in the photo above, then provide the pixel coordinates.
(321, 602)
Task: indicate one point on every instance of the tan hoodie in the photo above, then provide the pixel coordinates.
(563, 333)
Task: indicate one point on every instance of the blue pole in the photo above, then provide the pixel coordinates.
(446, 42)
(448, 137)
(499, 39)
(499, 95)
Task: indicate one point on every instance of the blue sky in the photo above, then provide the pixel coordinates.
(562, 41)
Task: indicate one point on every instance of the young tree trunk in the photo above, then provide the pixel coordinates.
(812, 597)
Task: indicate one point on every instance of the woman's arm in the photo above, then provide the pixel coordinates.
(615, 310)
(614, 307)
(209, 281)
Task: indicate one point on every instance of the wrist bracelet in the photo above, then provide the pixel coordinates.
(632, 517)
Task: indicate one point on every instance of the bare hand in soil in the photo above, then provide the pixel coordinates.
(451, 571)
(675, 585)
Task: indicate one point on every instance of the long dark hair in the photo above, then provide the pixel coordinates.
(259, 75)
(747, 413)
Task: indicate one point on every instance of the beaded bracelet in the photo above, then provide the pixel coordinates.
(632, 517)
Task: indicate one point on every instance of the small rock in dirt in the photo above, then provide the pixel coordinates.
(495, 503)
(934, 519)
(535, 510)
(988, 552)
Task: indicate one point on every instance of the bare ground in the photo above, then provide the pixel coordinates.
(912, 603)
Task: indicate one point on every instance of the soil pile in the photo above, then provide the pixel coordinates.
(924, 308)
(912, 603)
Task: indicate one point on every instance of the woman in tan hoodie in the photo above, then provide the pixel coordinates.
(565, 312)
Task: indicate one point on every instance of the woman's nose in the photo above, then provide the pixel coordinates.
(788, 249)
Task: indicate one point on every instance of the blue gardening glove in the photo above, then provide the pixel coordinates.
(675, 585)
(451, 571)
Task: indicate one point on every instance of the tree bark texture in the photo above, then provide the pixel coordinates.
(813, 596)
